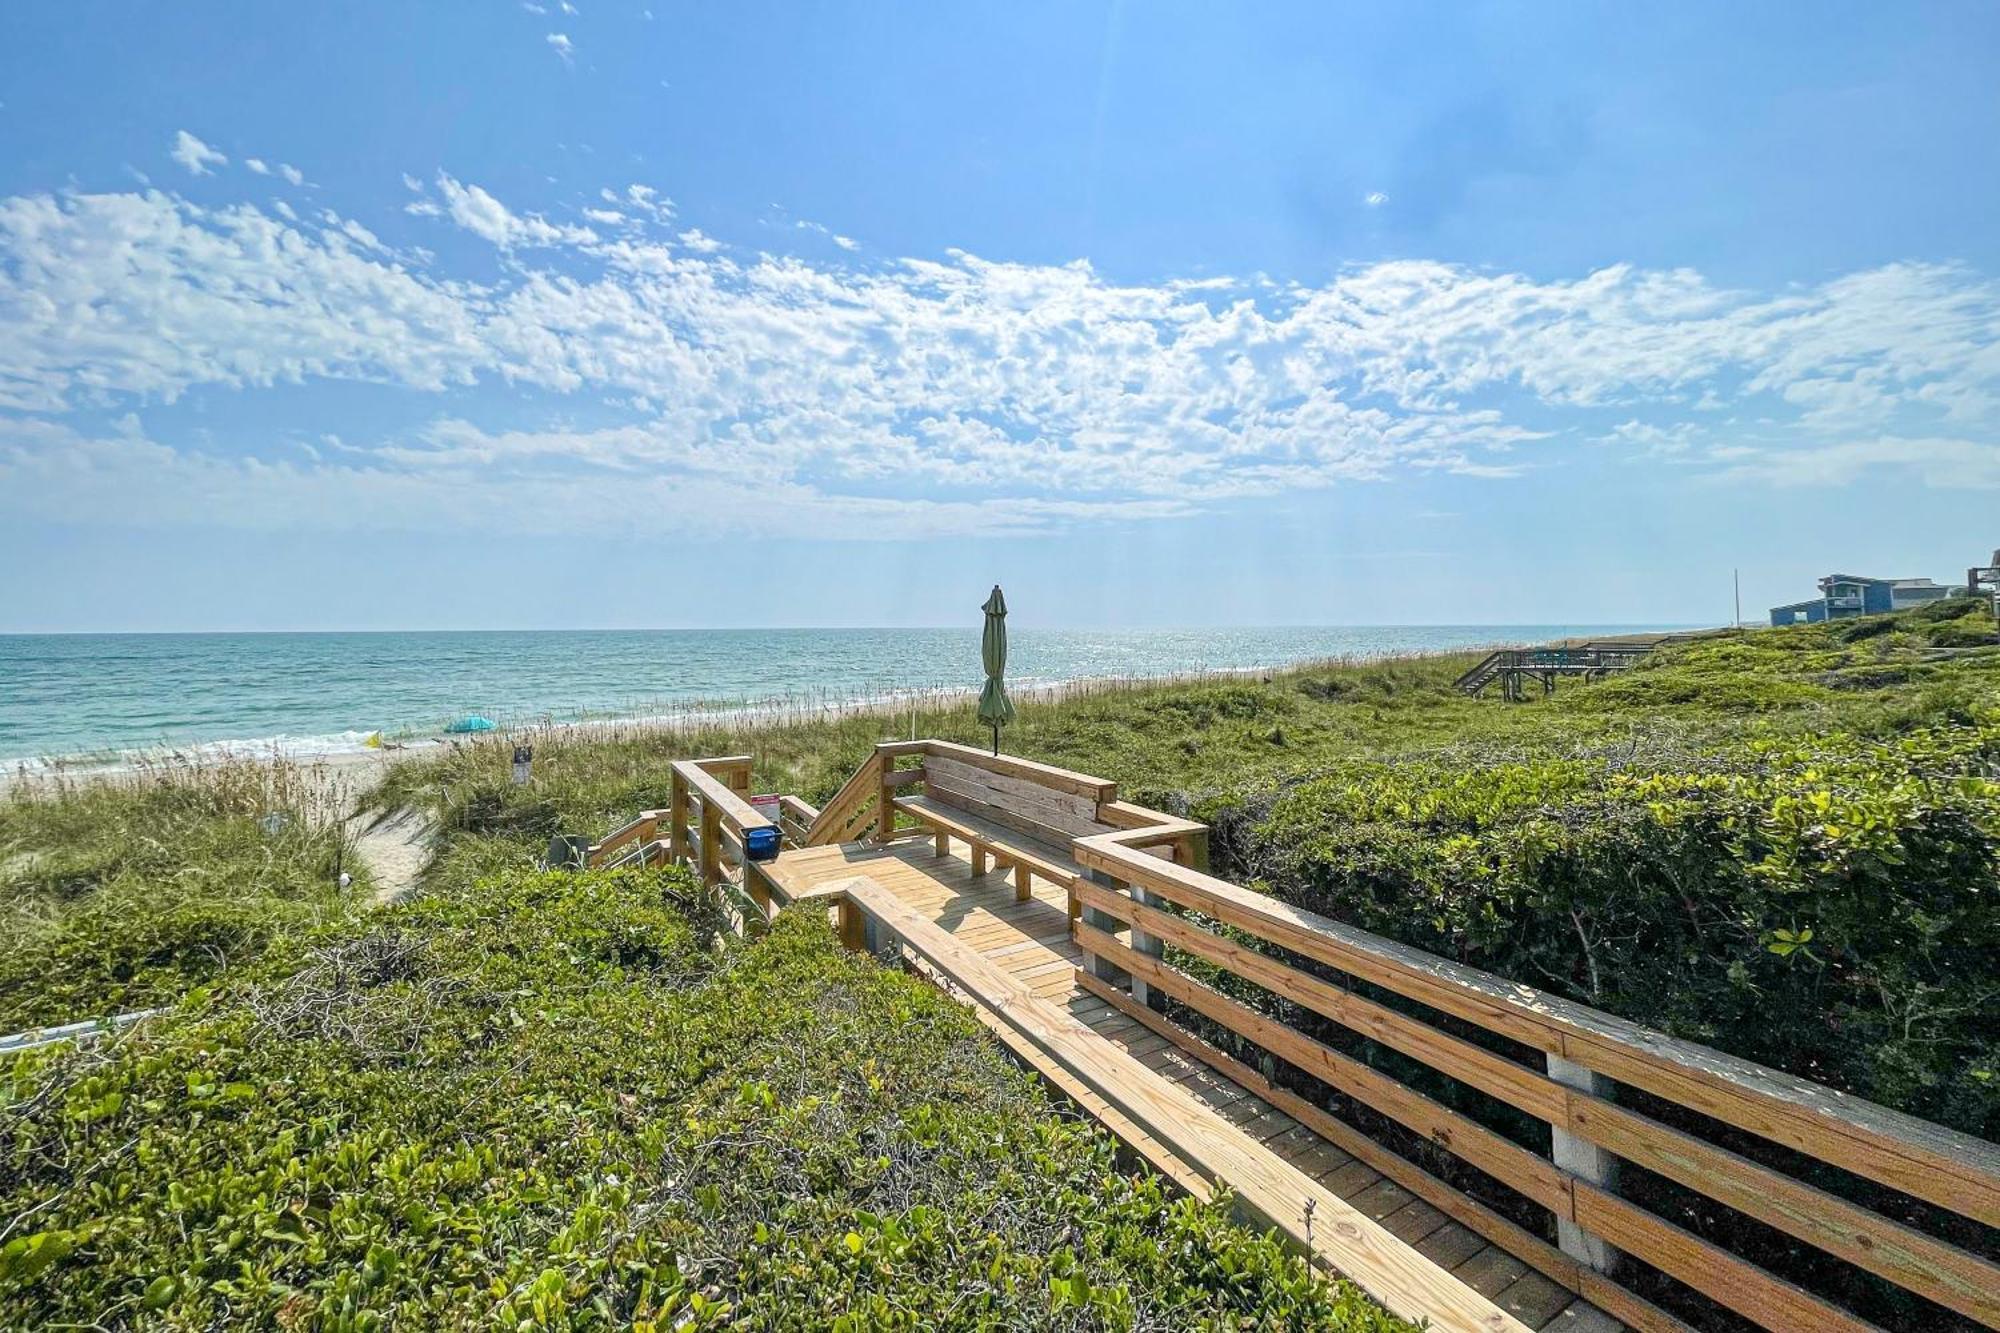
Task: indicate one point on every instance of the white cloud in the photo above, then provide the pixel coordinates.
(412, 184)
(486, 217)
(257, 165)
(291, 173)
(196, 156)
(562, 46)
(1375, 199)
(849, 388)
(1939, 463)
(847, 242)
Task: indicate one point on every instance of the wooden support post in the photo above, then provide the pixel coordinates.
(943, 841)
(978, 861)
(1023, 889)
(1101, 968)
(852, 932)
(1145, 943)
(885, 817)
(711, 844)
(1586, 1161)
(677, 837)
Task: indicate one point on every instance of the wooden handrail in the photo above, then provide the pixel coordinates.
(736, 811)
(639, 829)
(837, 814)
(1954, 1171)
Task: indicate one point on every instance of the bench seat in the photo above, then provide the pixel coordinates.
(1008, 846)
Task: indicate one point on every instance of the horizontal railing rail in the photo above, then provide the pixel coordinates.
(1585, 1054)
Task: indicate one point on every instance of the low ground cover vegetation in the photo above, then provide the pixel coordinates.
(533, 1100)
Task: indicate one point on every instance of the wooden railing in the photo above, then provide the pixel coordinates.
(842, 818)
(707, 816)
(1584, 1055)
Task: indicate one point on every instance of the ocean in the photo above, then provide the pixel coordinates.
(103, 695)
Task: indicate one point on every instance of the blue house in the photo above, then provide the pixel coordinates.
(1844, 595)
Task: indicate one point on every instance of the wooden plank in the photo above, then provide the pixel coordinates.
(1047, 775)
(1021, 793)
(1910, 1259)
(1533, 1299)
(1357, 1247)
(1372, 1157)
(1026, 823)
(1488, 1271)
(1582, 1317)
(1717, 1274)
(1526, 1089)
(1417, 1219)
(1955, 1171)
(1451, 1245)
(1492, 1153)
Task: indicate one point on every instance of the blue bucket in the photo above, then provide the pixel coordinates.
(761, 844)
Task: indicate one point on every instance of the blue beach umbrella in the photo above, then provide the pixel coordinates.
(470, 724)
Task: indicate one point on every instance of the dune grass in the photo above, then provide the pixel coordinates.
(123, 894)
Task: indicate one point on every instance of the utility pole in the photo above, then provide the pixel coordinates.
(1736, 576)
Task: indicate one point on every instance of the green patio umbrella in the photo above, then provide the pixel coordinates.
(995, 709)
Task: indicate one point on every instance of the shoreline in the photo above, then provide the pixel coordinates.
(680, 719)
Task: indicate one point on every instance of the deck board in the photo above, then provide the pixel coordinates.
(1029, 942)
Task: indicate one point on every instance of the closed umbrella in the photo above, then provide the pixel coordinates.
(996, 710)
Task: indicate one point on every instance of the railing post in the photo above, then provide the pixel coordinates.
(1142, 942)
(885, 812)
(1586, 1161)
(711, 843)
(1102, 968)
(677, 836)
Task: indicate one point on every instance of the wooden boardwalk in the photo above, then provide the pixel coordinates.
(1030, 941)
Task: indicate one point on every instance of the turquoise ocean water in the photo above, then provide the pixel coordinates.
(97, 694)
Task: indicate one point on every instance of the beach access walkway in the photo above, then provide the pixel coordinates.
(1340, 1085)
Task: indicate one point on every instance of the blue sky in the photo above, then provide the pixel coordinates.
(630, 314)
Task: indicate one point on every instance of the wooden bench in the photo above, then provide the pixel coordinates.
(1021, 814)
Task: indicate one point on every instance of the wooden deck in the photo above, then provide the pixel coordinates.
(1031, 943)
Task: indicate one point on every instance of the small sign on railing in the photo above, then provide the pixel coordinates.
(524, 757)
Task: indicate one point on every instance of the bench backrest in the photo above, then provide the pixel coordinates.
(1037, 810)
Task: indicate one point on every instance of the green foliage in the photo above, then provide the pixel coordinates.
(552, 1101)
(1845, 885)
(122, 895)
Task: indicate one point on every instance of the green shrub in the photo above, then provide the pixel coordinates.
(563, 1101)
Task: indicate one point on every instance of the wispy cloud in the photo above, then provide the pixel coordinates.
(562, 46)
(196, 156)
(912, 395)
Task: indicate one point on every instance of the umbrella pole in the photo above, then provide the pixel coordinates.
(996, 739)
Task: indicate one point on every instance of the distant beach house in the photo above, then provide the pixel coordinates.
(1844, 595)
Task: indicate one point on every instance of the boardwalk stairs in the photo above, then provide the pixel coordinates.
(1515, 668)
